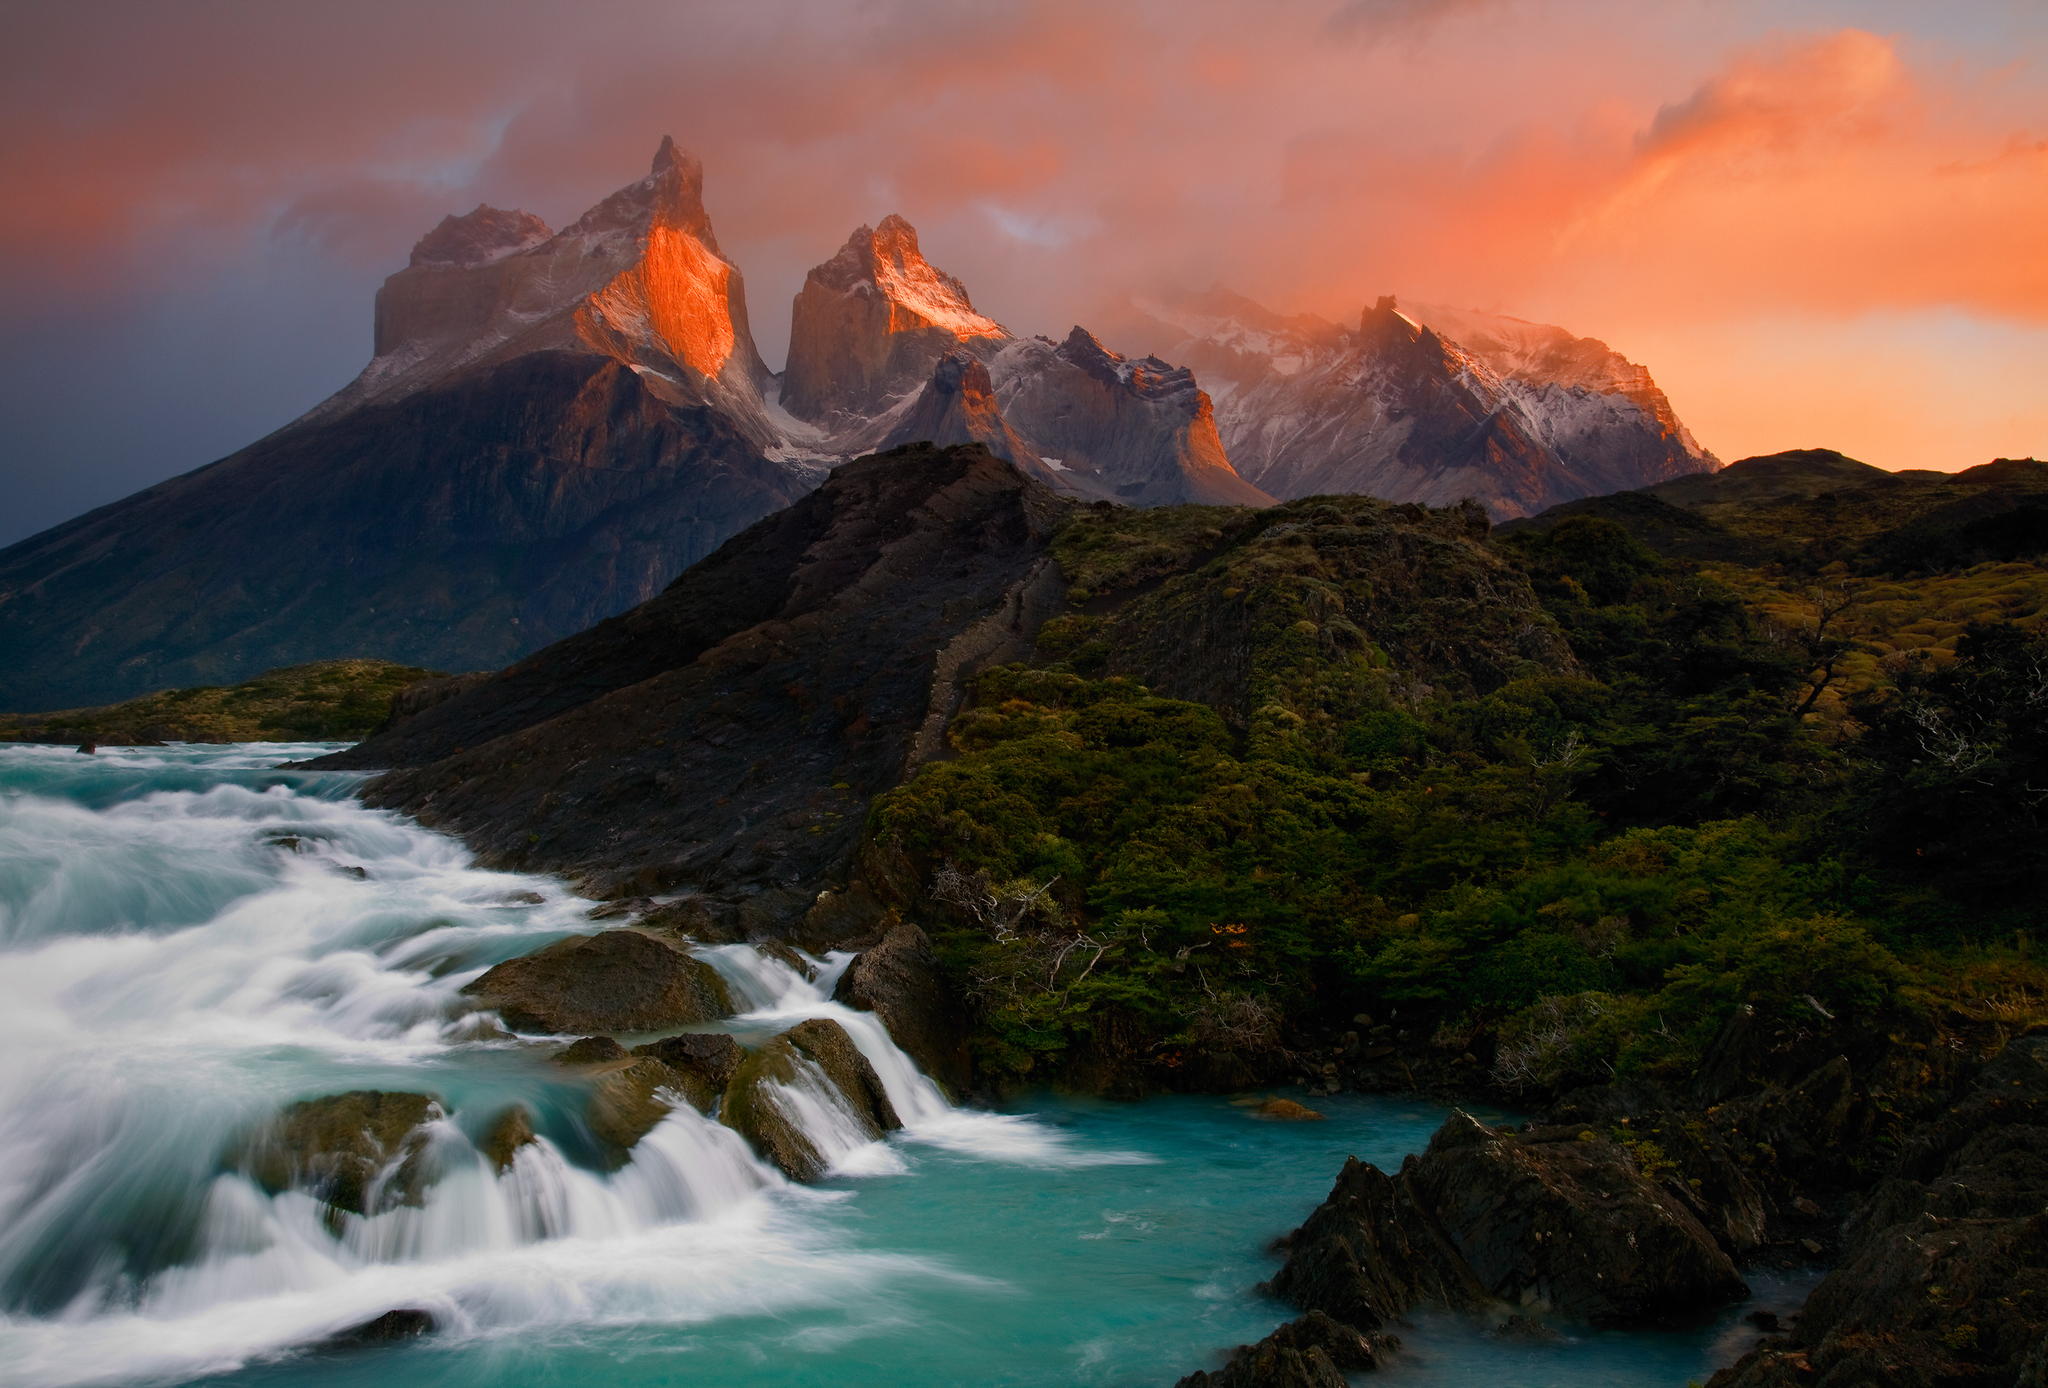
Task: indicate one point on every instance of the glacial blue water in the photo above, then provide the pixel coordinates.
(190, 939)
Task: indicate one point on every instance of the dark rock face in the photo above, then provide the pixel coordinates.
(1945, 1278)
(457, 528)
(361, 1152)
(727, 735)
(751, 1107)
(616, 980)
(1547, 1218)
(898, 980)
(1312, 1352)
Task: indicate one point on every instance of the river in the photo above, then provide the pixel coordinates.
(191, 939)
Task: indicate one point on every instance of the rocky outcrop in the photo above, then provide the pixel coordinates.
(818, 1057)
(1944, 1279)
(1312, 1352)
(1549, 1218)
(361, 1153)
(616, 980)
(726, 736)
(898, 979)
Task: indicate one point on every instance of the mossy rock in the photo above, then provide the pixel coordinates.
(362, 1152)
(751, 1110)
(632, 1091)
(617, 980)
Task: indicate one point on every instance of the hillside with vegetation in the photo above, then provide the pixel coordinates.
(1724, 861)
(328, 701)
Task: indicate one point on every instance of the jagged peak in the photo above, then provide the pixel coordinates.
(479, 237)
(672, 194)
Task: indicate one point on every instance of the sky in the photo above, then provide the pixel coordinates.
(1820, 223)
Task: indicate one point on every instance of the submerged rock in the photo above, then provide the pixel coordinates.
(1312, 1352)
(617, 980)
(629, 1094)
(898, 980)
(700, 1064)
(362, 1152)
(404, 1323)
(1286, 1111)
(751, 1107)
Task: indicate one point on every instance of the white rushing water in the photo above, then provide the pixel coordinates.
(189, 942)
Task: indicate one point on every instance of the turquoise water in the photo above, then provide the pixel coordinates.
(189, 939)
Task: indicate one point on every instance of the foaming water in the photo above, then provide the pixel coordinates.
(191, 939)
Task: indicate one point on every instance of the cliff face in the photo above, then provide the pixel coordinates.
(726, 735)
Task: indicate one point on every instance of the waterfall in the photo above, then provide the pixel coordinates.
(190, 942)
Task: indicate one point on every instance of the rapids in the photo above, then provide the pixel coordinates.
(191, 939)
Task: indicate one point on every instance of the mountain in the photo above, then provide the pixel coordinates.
(1429, 405)
(886, 348)
(553, 424)
(552, 427)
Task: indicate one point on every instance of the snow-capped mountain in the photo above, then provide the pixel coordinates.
(555, 424)
(1423, 404)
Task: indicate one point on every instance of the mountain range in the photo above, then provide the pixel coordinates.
(554, 424)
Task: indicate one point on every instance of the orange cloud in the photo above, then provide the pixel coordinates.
(1649, 174)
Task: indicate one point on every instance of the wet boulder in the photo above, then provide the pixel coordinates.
(898, 980)
(616, 980)
(814, 1052)
(1312, 1352)
(629, 1093)
(362, 1152)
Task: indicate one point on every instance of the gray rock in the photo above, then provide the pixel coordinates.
(617, 980)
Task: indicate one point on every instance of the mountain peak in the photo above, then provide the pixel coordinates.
(872, 322)
(669, 156)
